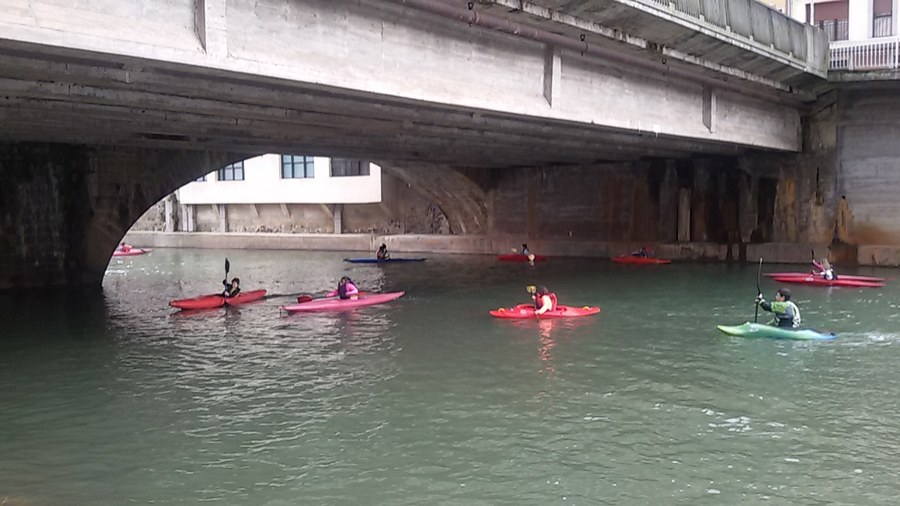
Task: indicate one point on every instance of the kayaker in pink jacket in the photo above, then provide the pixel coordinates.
(346, 289)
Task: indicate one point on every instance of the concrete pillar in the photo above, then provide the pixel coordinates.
(684, 215)
(700, 202)
(895, 18)
(709, 109)
(189, 215)
(860, 22)
(170, 207)
(222, 210)
(668, 205)
(338, 218)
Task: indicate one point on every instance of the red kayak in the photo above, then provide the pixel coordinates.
(130, 252)
(516, 257)
(868, 279)
(820, 281)
(337, 304)
(527, 311)
(631, 259)
(217, 300)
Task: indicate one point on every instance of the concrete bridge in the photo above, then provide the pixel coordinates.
(108, 105)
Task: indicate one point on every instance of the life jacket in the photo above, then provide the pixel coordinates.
(539, 301)
(794, 318)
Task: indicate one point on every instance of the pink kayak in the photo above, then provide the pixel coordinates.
(336, 304)
(217, 300)
(632, 259)
(868, 279)
(820, 281)
(131, 252)
(527, 311)
(516, 257)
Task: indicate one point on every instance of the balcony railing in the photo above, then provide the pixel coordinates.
(861, 55)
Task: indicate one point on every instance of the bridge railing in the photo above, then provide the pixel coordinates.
(758, 23)
(871, 54)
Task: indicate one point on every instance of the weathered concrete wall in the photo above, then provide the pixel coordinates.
(65, 207)
(868, 158)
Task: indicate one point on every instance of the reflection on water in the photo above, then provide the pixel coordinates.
(110, 397)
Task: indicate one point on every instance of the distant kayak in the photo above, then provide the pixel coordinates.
(131, 252)
(767, 331)
(217, 300)
(809, 279)
(516, 257)
(527, 311)
(631, 259)
(868, 279)
(336, 304)
(382, 261)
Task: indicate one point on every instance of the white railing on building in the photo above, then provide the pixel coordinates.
(870, 54)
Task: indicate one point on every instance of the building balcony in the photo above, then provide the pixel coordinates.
(865, 55)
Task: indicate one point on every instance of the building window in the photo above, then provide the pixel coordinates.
(835, 29)
(233, 172)
(296, 167)
(882, 26)
(200, 179)
(344, 167)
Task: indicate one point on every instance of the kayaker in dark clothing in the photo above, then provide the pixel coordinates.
(382, 253)
(643, 253)
(544, 299)
(787, 314)
(232, 289)
(525, 250)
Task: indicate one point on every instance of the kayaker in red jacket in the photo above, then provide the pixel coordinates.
(544, 299)
(232, 289)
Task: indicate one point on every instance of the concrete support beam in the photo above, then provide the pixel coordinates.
(552, 74)
(189, 218)
(222, 212)
(338, 218)
(170, 213)
(212, 27)
(709, 109)
(285, 210)
(684, 215)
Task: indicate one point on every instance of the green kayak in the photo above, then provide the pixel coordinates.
(761, 330)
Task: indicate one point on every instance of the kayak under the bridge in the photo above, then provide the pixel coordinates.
(768, 331)
(131, 252)
(336, 304)
(217, 300)
(527, 311)
(631, 259)
(382, 260)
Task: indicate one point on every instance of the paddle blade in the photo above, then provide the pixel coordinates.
(304, 298)
(227, 267)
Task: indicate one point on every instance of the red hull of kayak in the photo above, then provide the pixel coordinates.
(810, 280)
(335, 304)
(631, 259)
(527, 311)
(216, 300)
(868, 279)
(130, 253)
(515, 257)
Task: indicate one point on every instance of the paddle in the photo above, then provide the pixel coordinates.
(309, 298)
(758, 292)
(227, 268)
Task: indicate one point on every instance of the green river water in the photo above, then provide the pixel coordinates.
(114, 398)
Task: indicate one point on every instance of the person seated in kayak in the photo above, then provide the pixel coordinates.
(642, 253)
(824, 269)
(544, 299)
(231, 289)
(382, 253)
(787, 314)
(346, 289)
(525, 250)
(124, 248)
